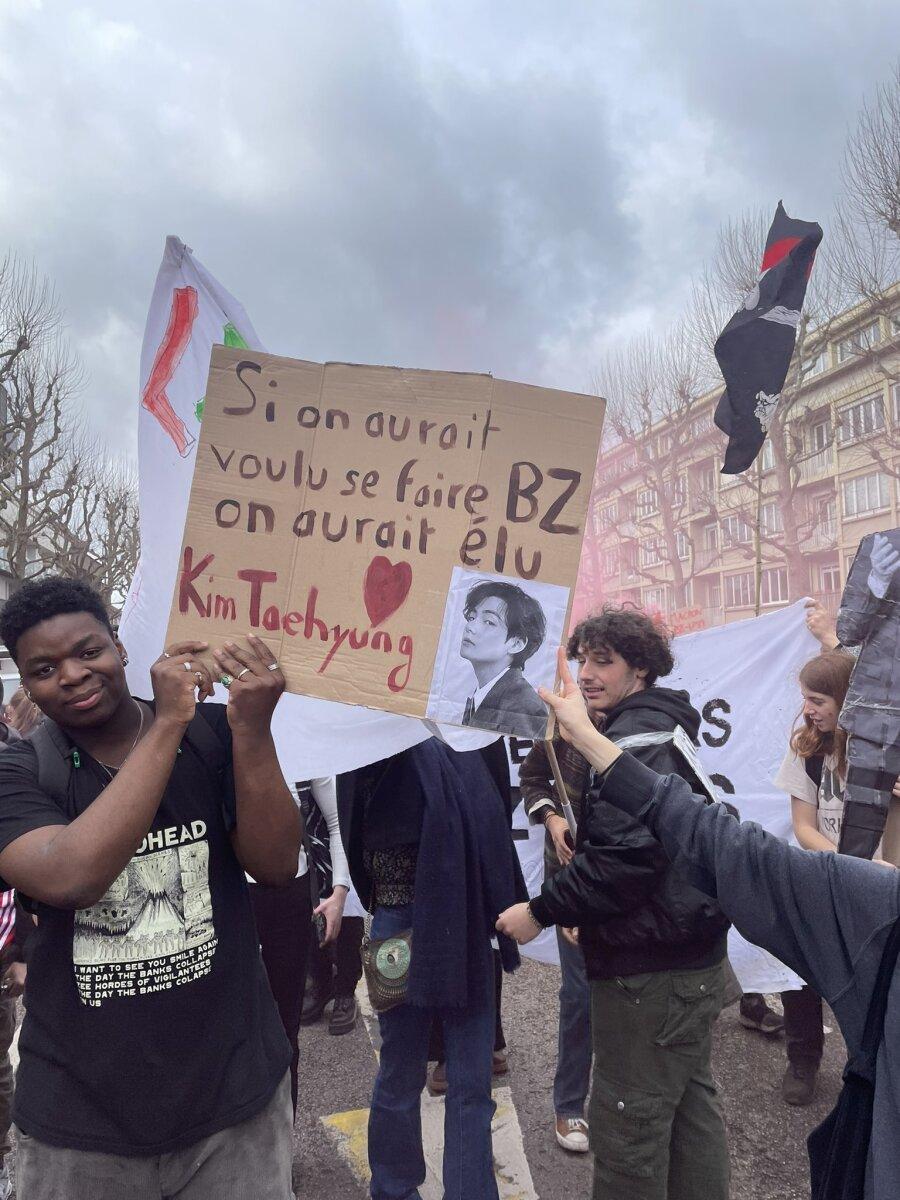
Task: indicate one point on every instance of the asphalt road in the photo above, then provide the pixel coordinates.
(766, 1137)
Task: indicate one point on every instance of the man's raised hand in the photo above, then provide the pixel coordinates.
(255, 683)
(568, 704)
(179, 679)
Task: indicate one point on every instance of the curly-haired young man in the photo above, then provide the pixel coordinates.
(650, 983)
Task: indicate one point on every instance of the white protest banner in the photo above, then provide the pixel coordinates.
(190, 312)
(742, 678)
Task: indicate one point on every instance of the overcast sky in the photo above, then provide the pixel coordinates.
(484, 185)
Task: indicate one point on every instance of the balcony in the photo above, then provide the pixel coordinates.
(817, 466)
(704, 559)
(823, 537)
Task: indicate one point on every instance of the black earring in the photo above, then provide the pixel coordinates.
(124, 660)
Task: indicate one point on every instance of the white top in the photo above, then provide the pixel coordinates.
(828, 799)
(324, 790)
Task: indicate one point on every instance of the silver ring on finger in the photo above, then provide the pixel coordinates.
(166, 654)
(272, 666)
(188, 667)
(241, 674)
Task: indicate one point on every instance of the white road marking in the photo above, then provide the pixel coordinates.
(349, 1132)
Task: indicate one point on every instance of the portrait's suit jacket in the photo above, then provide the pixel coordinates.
(512, 706)
(872, 705)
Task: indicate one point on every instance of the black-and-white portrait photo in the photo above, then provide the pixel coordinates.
(498, 644)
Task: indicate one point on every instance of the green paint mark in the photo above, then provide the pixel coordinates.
(230, 337)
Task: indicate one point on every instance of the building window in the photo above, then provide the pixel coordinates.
(710, 537)
(830, 580)
(714, 594)
(820, 435)
(682, 545)
(609, 514)
(680, 489)
(647, 502)
(767, 457)
(860, 340)
(609, 560)
(770, 520)
(865, 494)
(701, 425)
(739, 590)
(650, 552)
(708, 481)
(655, 598)
(773, 585)
(895, 392)
(736, 531)
(861, 419)
(816, 363)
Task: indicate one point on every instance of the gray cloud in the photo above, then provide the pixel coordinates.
(501, 187)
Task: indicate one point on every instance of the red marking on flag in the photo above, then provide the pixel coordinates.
(178, 333)
(779, 250)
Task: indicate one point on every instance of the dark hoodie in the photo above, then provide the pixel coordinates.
(636, 908)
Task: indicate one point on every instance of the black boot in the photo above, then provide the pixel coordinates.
(314, 1003)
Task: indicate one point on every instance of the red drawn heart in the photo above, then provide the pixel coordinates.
(385, 586)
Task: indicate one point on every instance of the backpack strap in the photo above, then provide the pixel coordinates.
(54, 754)
(813, 767)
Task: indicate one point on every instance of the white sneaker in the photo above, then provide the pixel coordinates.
(571, 1133)
(5, 1183)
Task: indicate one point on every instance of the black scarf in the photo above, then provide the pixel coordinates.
(467, 873)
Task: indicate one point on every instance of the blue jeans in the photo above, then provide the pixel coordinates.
(395, 1122)
(573, 1063)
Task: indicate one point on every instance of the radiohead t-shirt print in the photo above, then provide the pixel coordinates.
(153, 929)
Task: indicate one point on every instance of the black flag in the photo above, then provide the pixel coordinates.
(755, 347)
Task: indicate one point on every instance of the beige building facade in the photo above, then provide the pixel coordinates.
(671, 534)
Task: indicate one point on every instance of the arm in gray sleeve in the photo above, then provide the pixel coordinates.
(815, 911)
(859, 606)
(324, 792)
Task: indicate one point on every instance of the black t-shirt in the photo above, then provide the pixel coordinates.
(150, 1023)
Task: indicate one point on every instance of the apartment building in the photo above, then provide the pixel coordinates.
(668, 532)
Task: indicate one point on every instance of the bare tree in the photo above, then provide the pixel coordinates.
(871, 171)
(653, 387)
(64, 508)
(95, 533)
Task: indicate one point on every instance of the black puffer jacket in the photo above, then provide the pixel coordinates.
(636, 909)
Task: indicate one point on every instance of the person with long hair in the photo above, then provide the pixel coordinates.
(813, 774)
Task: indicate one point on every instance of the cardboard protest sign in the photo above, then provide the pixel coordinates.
(405, 540)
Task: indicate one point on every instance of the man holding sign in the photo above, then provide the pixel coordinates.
(153, 1061)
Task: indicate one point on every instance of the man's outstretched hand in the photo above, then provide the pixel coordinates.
(568, 704)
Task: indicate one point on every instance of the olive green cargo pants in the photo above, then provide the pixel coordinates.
(656, 1125)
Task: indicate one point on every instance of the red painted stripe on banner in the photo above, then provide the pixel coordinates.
(182, 315)
(779, 250)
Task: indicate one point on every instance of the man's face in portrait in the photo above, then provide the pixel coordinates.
(486, 639)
